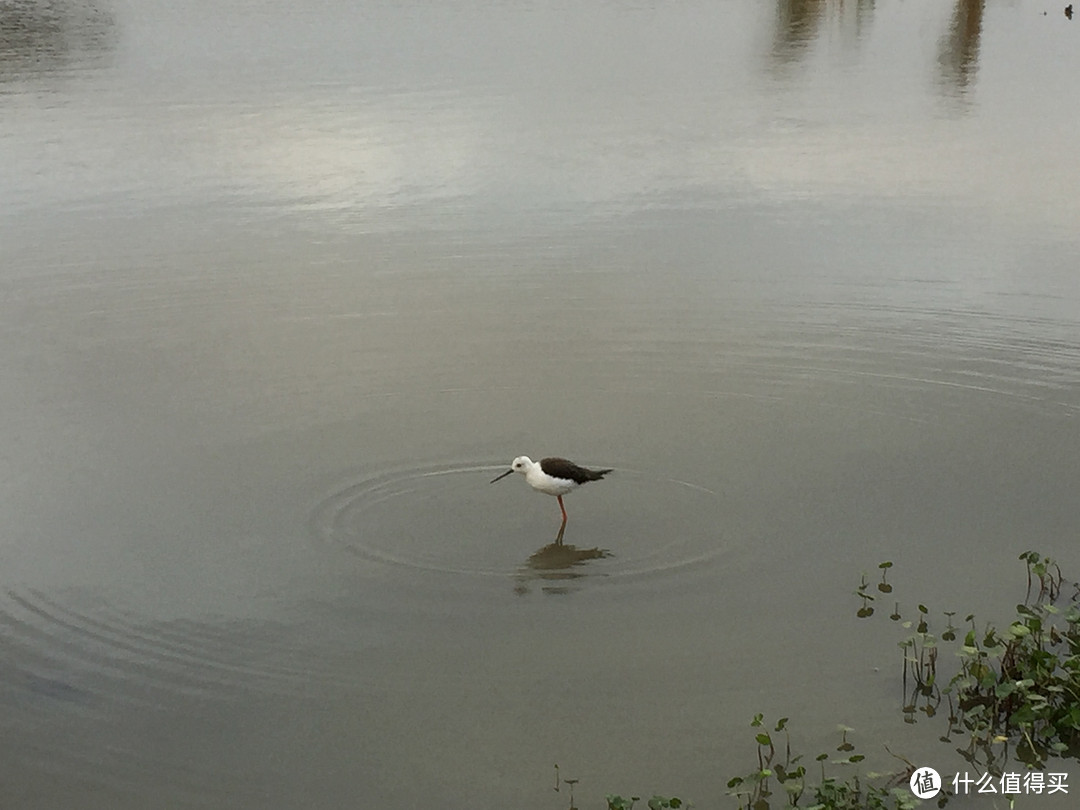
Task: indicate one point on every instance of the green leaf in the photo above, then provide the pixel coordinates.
(1004, 689)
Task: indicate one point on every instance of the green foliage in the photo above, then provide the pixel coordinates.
(782, 781)
(615, 802)
(1016, 694)
(1017, 690)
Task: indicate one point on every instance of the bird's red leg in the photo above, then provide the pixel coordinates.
(562, 528)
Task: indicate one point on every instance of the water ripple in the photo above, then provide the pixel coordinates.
(444, 519)
(58, 649)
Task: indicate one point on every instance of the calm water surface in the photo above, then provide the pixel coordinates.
(284, 285)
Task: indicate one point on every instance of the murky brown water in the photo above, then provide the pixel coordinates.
(284, 285)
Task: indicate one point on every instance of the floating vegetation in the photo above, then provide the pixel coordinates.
(1012, 697)
(783, 781)
(615, 802)
(1016, 694)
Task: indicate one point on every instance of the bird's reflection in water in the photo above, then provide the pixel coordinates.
(556, 566)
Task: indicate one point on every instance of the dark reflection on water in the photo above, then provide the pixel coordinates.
(556, 566)
(53, 35)
(796, 25)
(799, 22)
(958, 51)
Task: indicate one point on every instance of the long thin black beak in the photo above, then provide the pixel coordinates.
(496, 478)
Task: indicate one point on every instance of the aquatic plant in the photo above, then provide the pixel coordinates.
(786, 773)
(1017, 690)
(616, 802)
(1015, 695)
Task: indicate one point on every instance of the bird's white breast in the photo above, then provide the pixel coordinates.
(543, 482)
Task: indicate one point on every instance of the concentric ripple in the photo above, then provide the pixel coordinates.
(83, 685)
(56, 646)
(447, 519)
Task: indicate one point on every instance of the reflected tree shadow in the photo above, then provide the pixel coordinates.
(556, 566)
(958, 50)
(799, 22)
(48, 36)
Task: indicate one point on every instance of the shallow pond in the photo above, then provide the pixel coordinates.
(286, 285)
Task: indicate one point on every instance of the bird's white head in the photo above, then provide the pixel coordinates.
(521, 464)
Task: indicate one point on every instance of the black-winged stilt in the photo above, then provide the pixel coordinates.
(553, 476)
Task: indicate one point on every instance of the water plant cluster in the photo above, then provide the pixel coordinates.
(1016, 693)
(1012, 698)
(615, 802)
(783, 781)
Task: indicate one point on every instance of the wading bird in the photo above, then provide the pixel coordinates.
(553, 476)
